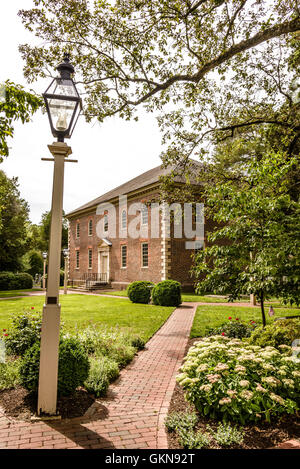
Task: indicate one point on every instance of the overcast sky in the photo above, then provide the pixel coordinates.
(108, 154)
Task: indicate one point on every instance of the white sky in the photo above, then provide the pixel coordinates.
(109, 154)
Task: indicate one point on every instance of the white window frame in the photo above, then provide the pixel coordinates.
(77, 259)
(90, 257)
(124, 246)
(105, 222)
(90, 227)
(78, 230)
(142, 255)
(123, 220)
(144, 214)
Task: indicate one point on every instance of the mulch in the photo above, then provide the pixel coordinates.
(257, 436)
(20, 404)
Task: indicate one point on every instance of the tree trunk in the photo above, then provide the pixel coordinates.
(262, 308)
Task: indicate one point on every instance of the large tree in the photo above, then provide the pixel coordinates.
(15, 104)
(207, 68)
(255, 247)
(14, 212)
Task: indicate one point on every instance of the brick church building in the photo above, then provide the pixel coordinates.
(119, 238)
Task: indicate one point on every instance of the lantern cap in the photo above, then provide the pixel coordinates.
(66, 68)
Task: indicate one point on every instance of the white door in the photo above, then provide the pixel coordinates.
(103, 264)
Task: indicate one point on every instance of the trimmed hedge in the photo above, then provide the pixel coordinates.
(11, 281)
(140, 291)
(167, 293)
(73, 367)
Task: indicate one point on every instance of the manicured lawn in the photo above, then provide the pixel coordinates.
(190, 297)
(10, 293)
(213, 316)
(79, 311)
(114, 293)
(193, 298)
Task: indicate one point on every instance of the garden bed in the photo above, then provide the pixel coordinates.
(19, 404)
(257, 436)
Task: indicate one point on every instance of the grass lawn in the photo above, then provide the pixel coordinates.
(213, 316)
(9, 293)
(193, 298)
(79, 311)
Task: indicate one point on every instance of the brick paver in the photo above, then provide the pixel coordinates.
(132, 415)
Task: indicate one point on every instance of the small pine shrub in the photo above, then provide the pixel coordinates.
(140, 291)
(73, 367)
(167, 293)
(23, 333)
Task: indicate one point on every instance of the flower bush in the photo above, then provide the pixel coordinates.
(233, 328)
(111, 343)
(281, 332)
(226, 378)
(102, 371)
(24, 332)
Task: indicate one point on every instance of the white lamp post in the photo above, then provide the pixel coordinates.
(66, 256)
(63, 105)
(45, 255)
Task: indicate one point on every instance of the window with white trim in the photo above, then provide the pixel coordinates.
(90, 228)
(123, 220)
(145, 254)
(77, 230)
(105, 223)
(144, 215)
(77, 259)
(124, 256)
(90, 258)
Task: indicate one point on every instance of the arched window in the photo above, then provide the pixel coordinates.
(124, 220)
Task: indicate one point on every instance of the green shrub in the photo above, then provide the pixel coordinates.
(226, 378)
(234, 329)
(137, 342)
(180, 420)
(24, 331)
(227, 435)
(140, 292)
(102, 371)
(193, 440)
(167, 293)
(281, 332)
(73, 367)
(110, 343)
(11, 281)
(9, 374)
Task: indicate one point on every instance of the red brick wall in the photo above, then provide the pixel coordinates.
(122, 276)
(181, 258)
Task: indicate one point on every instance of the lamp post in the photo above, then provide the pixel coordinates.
(66, 256)
(63, 105)
(45, 254)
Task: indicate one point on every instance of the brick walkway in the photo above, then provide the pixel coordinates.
(133, 413)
